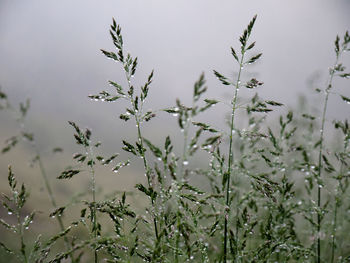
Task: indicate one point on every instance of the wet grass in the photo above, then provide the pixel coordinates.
(272, 190)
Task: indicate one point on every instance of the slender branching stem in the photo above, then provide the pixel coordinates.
(184, 150)
(177, 241)
(44, 177)
(319, 174)
(94, 209)
(53, 201)
(183, 159)
(48, 186)
(336, 207)
(182, 164)
(230, 159)
(185, 145)
(334, 230)
(147, 172)
(143, 156)
(50, 193)
(21, 234)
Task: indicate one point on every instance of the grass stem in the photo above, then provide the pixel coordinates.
(94, 209)
(230, 160)
(143, 156)
(319, 174)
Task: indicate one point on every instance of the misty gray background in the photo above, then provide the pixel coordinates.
(50, 52)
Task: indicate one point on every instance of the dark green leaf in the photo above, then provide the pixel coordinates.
(154, 149)
(273, 103)
(68, 174)
(345, 75)
(254, 58)
(346, 99)
(129, 147)
(120, 165)
(234, 54)
(111, 55)
(57, 212)
(222, 78)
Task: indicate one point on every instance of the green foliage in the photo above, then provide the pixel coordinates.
(260, 198)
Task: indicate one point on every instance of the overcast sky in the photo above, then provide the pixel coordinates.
(50, 50)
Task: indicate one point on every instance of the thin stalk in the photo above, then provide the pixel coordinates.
(53, 202)
(337, 205)
(186, 130)
(143, 156)
(146, 168)
(237, 212)
(52, 198)
(93, 212)
(48, 187)
(41, 166)
(20, 229)
(184, 150)
(319, 186)
(45, 179)
(230, 160)
(334, 230)
(177, 241)
(183, 159)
